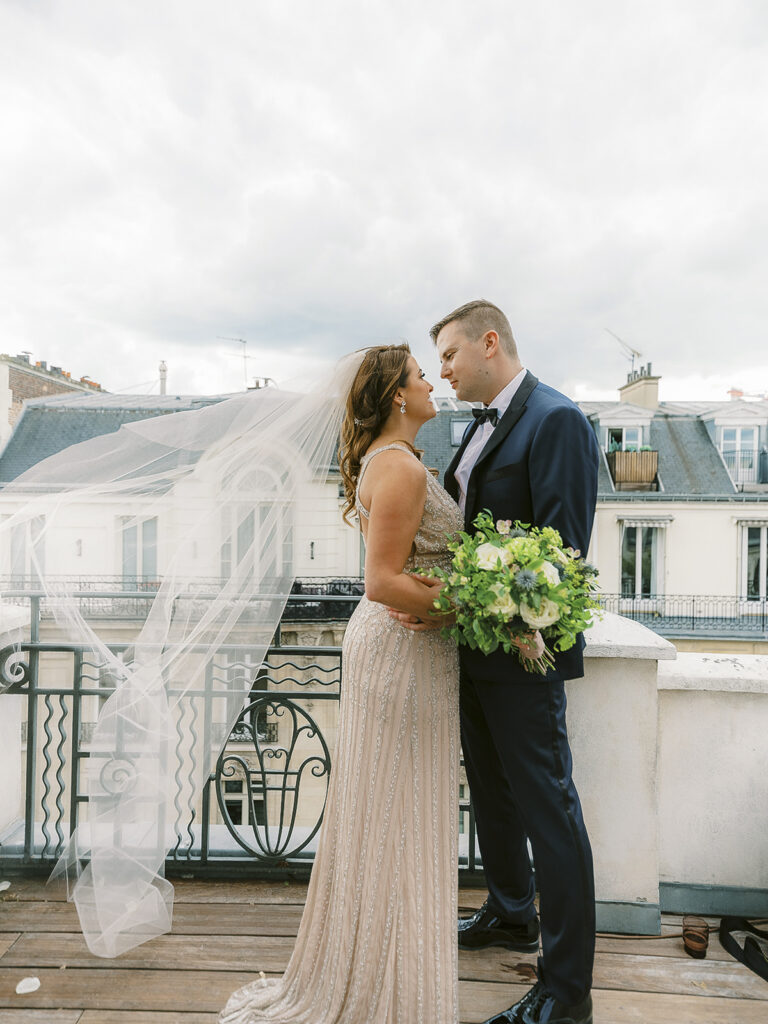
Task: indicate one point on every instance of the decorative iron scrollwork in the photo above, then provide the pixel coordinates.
(280, 823)
(118, 775)
(14, 669)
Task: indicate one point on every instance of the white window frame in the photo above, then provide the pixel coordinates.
(146, 572)
(751, 603)
(658, 565)
(240, 545)
(26, 538)
(636, 445)
(741, 473)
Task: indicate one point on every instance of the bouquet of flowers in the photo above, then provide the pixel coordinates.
(509, 580)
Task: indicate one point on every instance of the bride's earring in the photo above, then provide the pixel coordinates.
(402, 408)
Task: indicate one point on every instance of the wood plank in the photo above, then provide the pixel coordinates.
(34, 887)
(145, 1017)
(479, 1000)
(166, 953)
(196, 890)
(650, 1008)
(7, 939)
(669, 943)
(88, 989)
(238, 891)
(629, 972)
(271, 954)
(41, 1016)
(188, 918)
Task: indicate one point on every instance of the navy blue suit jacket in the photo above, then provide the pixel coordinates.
(539, 466)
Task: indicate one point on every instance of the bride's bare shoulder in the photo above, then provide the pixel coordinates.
(394, 470)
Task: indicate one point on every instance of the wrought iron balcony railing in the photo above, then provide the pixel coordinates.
(262, 804)
(706, 615)
(747, 465)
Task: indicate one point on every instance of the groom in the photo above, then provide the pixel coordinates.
(529, 455)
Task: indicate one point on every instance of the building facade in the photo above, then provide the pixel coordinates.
(21, 379)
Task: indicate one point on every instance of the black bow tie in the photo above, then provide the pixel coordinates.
(486, 416)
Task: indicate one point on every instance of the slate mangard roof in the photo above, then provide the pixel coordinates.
(49, 425)
(689, 463)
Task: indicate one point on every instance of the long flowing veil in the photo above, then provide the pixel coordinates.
(222, 489)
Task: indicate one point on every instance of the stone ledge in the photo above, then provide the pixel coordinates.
(717, 673)
(613, 636)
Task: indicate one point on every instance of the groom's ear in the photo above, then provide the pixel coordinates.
(490, 343)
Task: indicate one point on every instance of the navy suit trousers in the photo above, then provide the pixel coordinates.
(519, 765)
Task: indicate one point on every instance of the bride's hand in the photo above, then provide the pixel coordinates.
(413, 622)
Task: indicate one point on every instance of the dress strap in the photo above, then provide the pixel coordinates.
(364, 465)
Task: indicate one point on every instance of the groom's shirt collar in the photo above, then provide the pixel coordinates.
(502, 401)
(481, 436)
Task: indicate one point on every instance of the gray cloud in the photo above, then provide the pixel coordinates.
(317, 177)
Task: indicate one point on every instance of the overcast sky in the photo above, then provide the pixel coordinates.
(317, 176)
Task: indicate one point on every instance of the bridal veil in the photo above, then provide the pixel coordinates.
(226, 485)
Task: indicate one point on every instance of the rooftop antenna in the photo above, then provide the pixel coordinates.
(246, 357)
(629, 352)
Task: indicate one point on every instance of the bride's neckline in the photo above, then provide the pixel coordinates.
(398, 443)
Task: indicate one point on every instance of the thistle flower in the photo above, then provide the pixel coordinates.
(526, 579)
(517, 532)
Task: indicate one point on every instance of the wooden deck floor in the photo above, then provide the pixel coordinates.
(225, 931)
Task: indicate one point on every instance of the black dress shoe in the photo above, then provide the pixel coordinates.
(546, 1009)
(514, 1015)
(486, 928)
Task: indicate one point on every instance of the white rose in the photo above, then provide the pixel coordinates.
(503, 605)
(488, 556)
(550, 573)
(547, 614)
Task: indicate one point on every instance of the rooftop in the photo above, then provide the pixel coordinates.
(49, 425)
(225, 932)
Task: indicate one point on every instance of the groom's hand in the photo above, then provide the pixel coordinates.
(413, 622)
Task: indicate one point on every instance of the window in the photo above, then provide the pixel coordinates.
(754, 562)
(738, 446)
(457, 431)
(463, 815)
(28, 551)
(640, 561)
(235, 800)
(626, 439)
(139, 540)
(275, 539)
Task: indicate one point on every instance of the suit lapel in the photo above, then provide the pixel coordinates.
(514, 411)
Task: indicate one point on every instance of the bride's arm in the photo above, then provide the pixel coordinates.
(397, 489)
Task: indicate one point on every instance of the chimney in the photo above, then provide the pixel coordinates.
(642, 388)
(163, 376)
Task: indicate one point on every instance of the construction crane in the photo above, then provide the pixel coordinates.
(631, 353)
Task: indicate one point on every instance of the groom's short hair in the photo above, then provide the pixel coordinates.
(476, 318)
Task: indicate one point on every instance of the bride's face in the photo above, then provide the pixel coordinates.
(417, 391)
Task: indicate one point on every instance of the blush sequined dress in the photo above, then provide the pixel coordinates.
(377, 940)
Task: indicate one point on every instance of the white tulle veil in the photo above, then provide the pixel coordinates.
(232, 477)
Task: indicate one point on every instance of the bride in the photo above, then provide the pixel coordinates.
(378, 941)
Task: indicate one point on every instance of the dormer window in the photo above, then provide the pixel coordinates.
(458, 429)
(624, 439)
(738, 446)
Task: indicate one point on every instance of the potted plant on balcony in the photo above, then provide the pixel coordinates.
(630, 466)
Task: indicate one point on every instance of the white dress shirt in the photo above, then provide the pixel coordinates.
(482, 436)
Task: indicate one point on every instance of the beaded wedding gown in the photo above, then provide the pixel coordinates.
(377, 941)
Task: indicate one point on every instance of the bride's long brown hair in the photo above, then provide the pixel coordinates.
(383, 370)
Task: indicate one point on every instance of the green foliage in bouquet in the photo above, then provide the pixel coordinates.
(509, 580)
